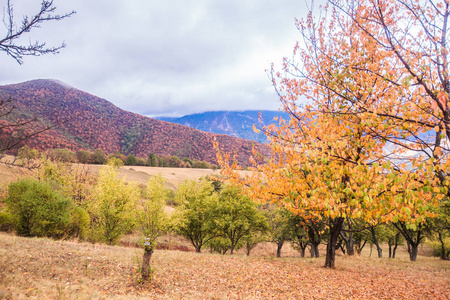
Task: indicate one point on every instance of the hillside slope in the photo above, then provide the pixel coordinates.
(96, 123)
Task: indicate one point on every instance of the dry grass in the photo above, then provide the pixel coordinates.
(34, 268)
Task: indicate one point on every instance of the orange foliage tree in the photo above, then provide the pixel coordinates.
(367, 93)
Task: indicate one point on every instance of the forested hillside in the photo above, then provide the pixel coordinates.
(89, 122)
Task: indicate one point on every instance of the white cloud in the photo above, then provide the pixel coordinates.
(166, 57)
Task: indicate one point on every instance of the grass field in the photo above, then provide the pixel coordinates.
(32, 268)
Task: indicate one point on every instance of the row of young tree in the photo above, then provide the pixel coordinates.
(66, 201)
(28, 157)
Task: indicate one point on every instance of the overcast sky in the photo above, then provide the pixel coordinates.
(165, 57)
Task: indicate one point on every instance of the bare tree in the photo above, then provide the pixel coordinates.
(17, 51)
(21, 130)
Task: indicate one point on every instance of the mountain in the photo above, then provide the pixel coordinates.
(234, 123)
(96, 123)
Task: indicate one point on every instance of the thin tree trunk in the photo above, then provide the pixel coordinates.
(148, 251)
(443, 251)
(335, 228)
(397, 236)
(349, 241)
(375, 241)
(394, 250)
(314, 239)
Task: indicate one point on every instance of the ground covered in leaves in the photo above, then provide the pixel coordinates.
(46, 269)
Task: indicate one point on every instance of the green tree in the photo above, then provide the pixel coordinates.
(29, 157)
(280, 226)
(64, 155)
(113, 205)
(38, 209)
(84, 156)
(153, 160)
(115, 162)
(440, 228)
(151, 218)
(236, 216)
(193, 217)
(131, 160)
(99, 157)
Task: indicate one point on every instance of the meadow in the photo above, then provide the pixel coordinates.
(40, 268)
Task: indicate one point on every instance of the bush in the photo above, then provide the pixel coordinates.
(64, 155)
(6, 221)
(84, 156)
(79, 225)
(131, 160)
(37, 209)
(99, 157)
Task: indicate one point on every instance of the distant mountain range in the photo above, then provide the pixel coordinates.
(96, 123)
(234, 123)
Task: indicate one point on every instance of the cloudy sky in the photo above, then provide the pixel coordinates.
(164, 57)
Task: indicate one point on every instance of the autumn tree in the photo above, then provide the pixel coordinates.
(353, 147)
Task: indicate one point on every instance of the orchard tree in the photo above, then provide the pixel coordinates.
(151, 218)
(193, 218)
(280, 226)
(113, 205)
(237, 216)
(363, 100)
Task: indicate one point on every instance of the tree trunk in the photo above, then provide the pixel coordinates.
(145, 271)
(390, 250)
(413, 251)
(397, 236)
(279, 246)
(375, 241)
(314, 239)
(349, 241)
(443, 251)
(316, 250)
(350, 244)
(335, 228)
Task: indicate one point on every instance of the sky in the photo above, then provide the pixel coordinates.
(164, 57)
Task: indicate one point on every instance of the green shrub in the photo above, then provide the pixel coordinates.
(79, 225)
(38, 209)
(6, 221)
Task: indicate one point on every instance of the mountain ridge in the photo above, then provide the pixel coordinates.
(235, 123)
(101, 124)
